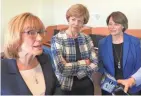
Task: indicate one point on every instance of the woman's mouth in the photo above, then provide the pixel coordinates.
(39, 47)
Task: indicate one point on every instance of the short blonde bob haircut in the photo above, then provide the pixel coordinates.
(78, 10)
(17, 25)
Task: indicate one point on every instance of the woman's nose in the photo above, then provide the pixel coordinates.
(39, 37)
(76, 22)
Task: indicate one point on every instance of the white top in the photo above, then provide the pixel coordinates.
(34, 79)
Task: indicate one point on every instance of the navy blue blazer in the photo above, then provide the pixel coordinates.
(12, 82)
(131, 57)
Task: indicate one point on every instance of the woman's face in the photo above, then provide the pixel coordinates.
(114, 28)
(32, 42)
(76, 23)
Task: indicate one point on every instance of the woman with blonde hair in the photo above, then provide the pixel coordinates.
(74, 56)
(25, 70)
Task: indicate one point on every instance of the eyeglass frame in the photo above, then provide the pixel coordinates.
(35, 32)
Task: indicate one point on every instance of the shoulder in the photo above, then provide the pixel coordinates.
(60, 35)
(85, 36)
(132, 39)
(104, 40)
(59, 38)
(5, 62)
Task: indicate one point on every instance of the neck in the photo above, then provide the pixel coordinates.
(72, 33)
(26, 62)
(117, 39)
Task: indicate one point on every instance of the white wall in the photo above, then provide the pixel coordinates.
(47, 12)
(100, 9)
(53, 12)
(1, 39)
(11, 8)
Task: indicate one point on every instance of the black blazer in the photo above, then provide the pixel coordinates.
(12, 82)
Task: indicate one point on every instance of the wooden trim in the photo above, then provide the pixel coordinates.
(103, 31)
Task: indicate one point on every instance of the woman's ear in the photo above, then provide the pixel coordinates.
(68, 20)
(122, 27)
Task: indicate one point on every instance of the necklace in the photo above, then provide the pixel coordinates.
(31, 75)
(36, 80)
(118, 57)
(35, 75)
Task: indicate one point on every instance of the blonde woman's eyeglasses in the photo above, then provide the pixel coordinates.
(34, 33)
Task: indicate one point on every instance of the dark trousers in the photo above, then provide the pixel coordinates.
(83, 86)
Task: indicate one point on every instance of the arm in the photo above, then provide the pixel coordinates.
(93, 66)
(101, 66)
(65, 68)
(136, 75)
(135, 79)
(127, 83)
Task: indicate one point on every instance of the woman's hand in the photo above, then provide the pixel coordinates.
(64, 61)
(128, 83)
(87, 61)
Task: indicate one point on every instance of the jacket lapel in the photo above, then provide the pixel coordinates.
(110, 49)
(20, 86)
(125, 49)
(110, 53)
(46, 68)
(16, 78)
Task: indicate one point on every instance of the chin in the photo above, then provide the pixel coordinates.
(114, 34)
(38, 52)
